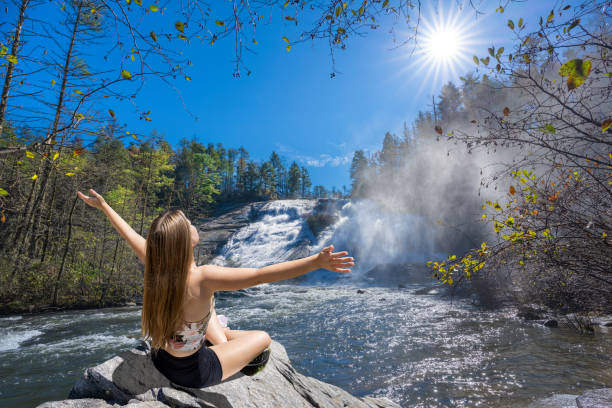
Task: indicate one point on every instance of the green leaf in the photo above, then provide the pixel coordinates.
(574, 24)
(139, 2)
(520, 22)
(70, 174)
(491, 51)
(485, 61)
(548, 128)
(576, 71)
(511, 24)
(154, 8)
(126, 74)
(3, 191)
(180, 26)
(476, 60)
(500, 51)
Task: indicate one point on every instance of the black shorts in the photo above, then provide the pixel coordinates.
(199, 370)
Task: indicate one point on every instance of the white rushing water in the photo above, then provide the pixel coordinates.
(370, 234)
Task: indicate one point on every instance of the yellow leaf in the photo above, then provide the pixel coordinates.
(285, 39)
(3, 218)
(219, 23)
(52, 82)
(126, 74)
(132, 57)
(188, 78)
(254, 41)
(3, 191)
(55, 155)
(153, 36)
(29, 154)
(605, 125)
(180, 26)
(288, 47)
(70, 174)
(34, 177)
(148, 119)
(134, 136)
(112, 113)
(11, 58)
(183, 37)
(512, 190)
(153, 7)
(139, 2)
(76, 91)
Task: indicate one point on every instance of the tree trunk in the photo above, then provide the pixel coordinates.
(11, 66)
(66, 247)
(48, 217)
(58, 110)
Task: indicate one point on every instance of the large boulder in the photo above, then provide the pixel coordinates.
(131, 380)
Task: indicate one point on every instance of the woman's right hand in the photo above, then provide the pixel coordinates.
(334, 261)
(96, 201)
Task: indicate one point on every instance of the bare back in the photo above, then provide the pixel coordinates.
(197, 305)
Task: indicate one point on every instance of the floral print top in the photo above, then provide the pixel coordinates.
(192, 335)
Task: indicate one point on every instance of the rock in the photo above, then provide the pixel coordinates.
(551, 323)
(77, 403)
(360, 291)
(556, 401)
(600, 398)
(530, 313)
(131, 380)
(401, 286)
(214, 232)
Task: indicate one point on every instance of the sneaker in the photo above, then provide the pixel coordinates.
(257, 364)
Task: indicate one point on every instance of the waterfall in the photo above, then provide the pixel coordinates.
(372, 235)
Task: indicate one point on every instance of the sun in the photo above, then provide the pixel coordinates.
(444, 44)
(446, 39)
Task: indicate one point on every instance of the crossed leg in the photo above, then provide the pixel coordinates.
(241, 347)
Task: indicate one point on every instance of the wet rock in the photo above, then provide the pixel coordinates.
(360, 291)
(530, 313)
(401, 286)
(600, 398)
(551, 323)
(131, 380)
(556, 401)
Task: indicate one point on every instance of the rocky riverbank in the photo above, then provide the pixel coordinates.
(131, 380)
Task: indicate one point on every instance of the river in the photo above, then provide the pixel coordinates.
(408, 343)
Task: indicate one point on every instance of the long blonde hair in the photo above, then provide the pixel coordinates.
(168, 257)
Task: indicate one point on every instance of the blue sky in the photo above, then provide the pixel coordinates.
(290, 104)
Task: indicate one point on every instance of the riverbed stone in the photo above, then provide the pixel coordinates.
(131, 378)
(556, 401)
(600, 398)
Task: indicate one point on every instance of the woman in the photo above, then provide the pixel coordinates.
(177, 293)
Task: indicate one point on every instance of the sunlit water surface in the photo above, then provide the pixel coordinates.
(418, 350)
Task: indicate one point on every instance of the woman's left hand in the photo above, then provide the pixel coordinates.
(334, 261)
(96, 201)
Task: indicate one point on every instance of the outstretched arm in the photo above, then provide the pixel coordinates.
(136, 241)
(216, 277)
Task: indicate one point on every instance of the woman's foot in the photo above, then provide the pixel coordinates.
(257, 364)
